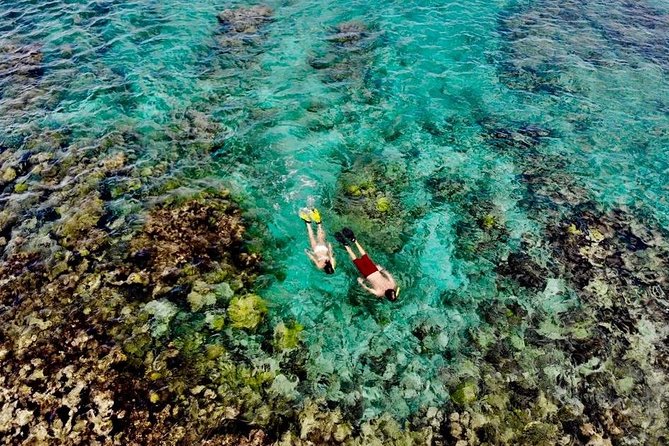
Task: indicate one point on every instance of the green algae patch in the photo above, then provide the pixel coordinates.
(465, 393)
(368, 201)
(247, 312)
(214, 351)
(625, 385)
(80, 224)
(201, 296)
(163, 311)
(138, 345)
(539, 433)
(9, 175)
(287, 336)
(352, 190)
(215, 321)
(489, 221)
(383, 205)
(19, 188)
(517, 341)
(154, 397)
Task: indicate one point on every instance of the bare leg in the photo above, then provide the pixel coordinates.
(320, 233)
(362, 251)
(312, 238)
(350, 252)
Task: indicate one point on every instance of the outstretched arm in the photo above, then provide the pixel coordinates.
(361, 281)
(311, 256)
(387, 275)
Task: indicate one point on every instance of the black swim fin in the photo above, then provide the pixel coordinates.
(348, 234)
(340, 238)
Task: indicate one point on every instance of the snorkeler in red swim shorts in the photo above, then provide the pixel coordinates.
(382, 283)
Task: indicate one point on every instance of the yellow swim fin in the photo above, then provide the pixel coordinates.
(304, 215)
(315, 215)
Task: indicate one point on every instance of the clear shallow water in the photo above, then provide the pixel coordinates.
(291, 115)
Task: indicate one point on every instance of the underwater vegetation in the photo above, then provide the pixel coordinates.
(21, 67)
(547, 35)
(146, 224)
(106, 320)
(346, 59)
(241, 32)
(368, 198)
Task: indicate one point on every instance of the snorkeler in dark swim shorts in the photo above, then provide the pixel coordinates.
(382, 283)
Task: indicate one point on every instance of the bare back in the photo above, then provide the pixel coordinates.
(381, 281)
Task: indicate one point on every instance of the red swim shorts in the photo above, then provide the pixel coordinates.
(365, 265)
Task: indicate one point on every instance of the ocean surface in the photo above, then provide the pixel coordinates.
(460, 140)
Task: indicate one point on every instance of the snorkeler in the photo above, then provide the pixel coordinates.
(321, 252)
(382, 283)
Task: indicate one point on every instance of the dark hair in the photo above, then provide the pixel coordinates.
(390, 294)
(328, 267)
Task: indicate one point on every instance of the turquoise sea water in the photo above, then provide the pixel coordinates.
(473, 116)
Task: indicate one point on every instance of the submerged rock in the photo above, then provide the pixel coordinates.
(369, 198)
(245, 19)
(346, 61)
(349, 32)
(465, 393)
(241, 28)
(522, 268)
(20, 60)
(198, 235)
(77, 326)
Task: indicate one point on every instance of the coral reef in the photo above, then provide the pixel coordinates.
(369, 198)
(204, 234)
(21, 72)
(241, 32)
(480, 230)
(568, 357)
(246, 312)
(571, 353)
(591, 365)
(347, 60)
(20, 60)
(542, 38)
(79, 359)
(131, 302)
